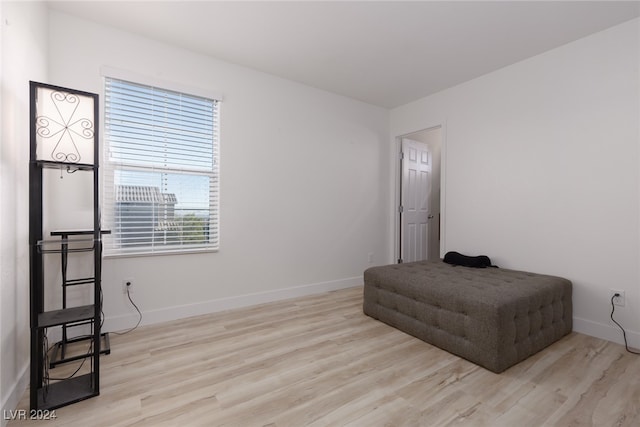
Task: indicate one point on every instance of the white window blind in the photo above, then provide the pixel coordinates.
(161, 170)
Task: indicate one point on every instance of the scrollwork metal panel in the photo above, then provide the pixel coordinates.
(65, 125)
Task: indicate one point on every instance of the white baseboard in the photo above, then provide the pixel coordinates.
(14, 394)
(118, 323)
(606, 332)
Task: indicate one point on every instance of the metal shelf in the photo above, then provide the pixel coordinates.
(59, 352)
(65, 165)
(66, 392)
(66, 315)
(50, 149)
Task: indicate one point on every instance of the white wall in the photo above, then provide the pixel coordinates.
(303, 179)
(541, 169)
(23, 52)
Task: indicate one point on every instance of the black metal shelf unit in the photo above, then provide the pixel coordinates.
(68, 245)
(64, 135)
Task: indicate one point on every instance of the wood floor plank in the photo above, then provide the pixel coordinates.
(319, 361)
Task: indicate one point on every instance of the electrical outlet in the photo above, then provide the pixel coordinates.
(370, 258)
(127, 285)
(617, 300)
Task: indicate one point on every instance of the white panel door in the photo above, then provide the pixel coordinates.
(416, 193)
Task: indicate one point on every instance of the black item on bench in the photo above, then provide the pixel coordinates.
(456, 258)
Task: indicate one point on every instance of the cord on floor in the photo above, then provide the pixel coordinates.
(624, 334)
(139, 314)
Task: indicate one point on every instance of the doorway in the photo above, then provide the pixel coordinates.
(419, 212)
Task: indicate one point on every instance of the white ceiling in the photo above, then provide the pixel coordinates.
(382, 53)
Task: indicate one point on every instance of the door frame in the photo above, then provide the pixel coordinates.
(397, 173)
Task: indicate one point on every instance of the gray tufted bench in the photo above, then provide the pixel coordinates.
(491, 316)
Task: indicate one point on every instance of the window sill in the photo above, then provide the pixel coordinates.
(161, 253)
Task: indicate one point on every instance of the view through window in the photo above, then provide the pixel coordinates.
(161, 170)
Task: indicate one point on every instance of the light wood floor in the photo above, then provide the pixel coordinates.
(318, 361)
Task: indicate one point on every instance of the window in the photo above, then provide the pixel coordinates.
(161, 170)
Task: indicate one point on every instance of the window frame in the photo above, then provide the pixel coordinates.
(109, 168)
